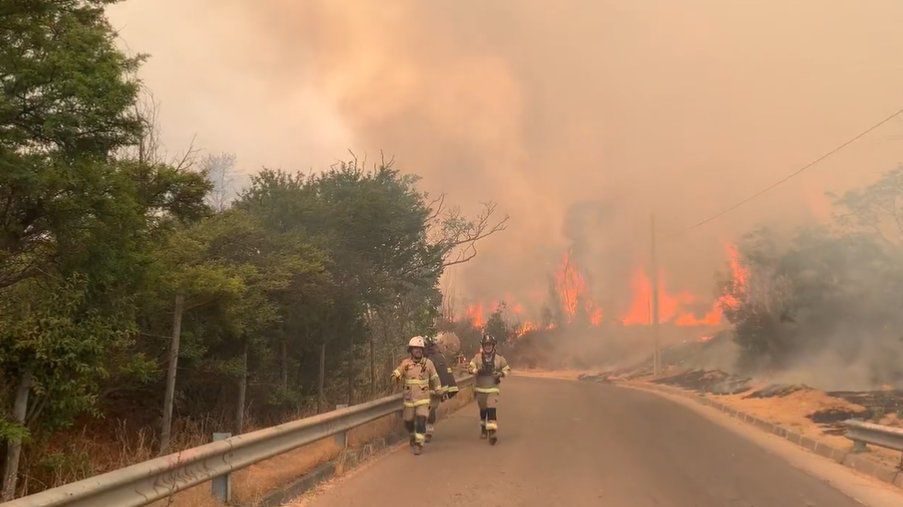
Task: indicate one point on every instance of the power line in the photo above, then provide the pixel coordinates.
(791, 175)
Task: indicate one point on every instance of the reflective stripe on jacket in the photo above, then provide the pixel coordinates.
(418, 378)
(485, 381)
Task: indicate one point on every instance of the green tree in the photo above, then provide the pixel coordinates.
(76, 223)
(374, 225)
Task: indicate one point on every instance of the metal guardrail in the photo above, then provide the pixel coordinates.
(158, 478)
(862, 433)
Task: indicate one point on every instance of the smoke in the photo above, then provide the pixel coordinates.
(579, 118)
(823, 309)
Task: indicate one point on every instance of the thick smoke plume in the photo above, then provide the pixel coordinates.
(580, 118)
(625, 107)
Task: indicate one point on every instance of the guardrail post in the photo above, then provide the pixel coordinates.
(859, 446)
(341, 439)
(222, 485)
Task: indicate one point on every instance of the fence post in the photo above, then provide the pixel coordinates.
(222, 485)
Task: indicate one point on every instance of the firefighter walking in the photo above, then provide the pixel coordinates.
(420, 380)
(489, 367)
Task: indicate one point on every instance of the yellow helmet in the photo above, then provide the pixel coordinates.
(417, 341)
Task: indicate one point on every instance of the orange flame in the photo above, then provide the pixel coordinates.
(640, 311)
(525, 328)
(475, 314)
(738, 282)
(572, 291)
(595, 317)
(570, 285)
(530, 327)
(670, 305)
(712, 318)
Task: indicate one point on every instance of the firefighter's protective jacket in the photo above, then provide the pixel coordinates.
(419, 377)
(488, 372)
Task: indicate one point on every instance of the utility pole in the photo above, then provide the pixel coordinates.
(656, 353)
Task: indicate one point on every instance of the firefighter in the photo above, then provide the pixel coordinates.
(449, 388)
(489, 367)
(420, 381)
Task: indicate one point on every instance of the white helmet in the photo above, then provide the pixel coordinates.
(417, 341)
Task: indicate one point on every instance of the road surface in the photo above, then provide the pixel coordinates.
(578, 443)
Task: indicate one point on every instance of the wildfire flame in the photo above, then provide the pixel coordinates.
(475, 314)
(529, 327)
(595, 317)
(738, 283)
(712, 318)
(573, 293)
(525, 328)
(570, 285)
(681, 308)
(672, 306)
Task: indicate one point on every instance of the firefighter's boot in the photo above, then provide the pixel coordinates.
(409, 426)
(483, 432)
(419, 433)
(430, 421)
(492, 427)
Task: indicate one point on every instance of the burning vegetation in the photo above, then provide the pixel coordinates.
(571, 303)
(819, 306)
(571, 328)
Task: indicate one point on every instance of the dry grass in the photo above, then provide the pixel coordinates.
(250, 485)
(81, 453)
(792, 412)
(376, 429)
(99, 446)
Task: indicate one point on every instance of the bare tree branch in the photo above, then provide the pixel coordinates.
(382, 160)
(460, 236)
(437, 208)
(455, 235)
(189, 157)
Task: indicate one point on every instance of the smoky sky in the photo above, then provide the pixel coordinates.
(580, 118)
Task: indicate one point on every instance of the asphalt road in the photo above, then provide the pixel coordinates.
(576, 443)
